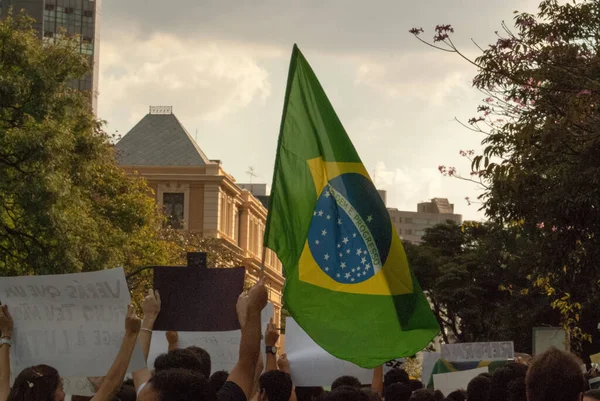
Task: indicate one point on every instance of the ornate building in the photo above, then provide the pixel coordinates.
(197, 194)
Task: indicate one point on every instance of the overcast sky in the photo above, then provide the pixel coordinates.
(223, 65)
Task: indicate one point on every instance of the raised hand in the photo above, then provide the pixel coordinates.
(6, 322)
(151, 304)
(283, 363)
(258, 296)
(132, 321)
(271, 334)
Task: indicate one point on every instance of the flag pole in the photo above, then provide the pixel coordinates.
(262, 263)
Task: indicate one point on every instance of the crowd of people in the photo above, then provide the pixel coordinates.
(184, 374)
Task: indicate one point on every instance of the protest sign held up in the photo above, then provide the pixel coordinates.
(73, 322)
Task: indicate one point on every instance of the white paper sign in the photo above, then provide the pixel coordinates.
(449, 382)
(429, 361)
(72, 322)
(490, 351)
(311, 365)
(222, 346)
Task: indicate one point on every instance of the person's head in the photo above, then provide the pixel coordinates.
(349, 381)
(457, 395)
(37, 383)
(309, 393)
(275, 385)
(394, 376)
(178, 385)
(398, 392)
(126, 393)
(373, 396)
(591, 395)
(502, 379)
(347, 393)
(438, 395)
(204, 357)
(415, 385)
(479, 389)
(517, 391)
(555, 376)
(218, 379)
(180, 359)
(424, 395)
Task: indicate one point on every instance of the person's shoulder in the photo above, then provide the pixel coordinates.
(231, 392)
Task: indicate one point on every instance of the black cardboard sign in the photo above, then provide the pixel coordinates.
(197, 299)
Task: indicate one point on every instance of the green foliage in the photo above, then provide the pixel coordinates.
(539, 164)
(65, 206)
(469, 275)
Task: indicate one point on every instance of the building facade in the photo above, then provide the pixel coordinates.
(55, 19)
(197, 194)
(411, 226)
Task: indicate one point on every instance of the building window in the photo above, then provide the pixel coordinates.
(69, 10)
(88, 13)
(50, 7)
(409, 232)
(408, 220)
(174, 204)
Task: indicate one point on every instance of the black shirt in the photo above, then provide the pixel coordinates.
(231, 392)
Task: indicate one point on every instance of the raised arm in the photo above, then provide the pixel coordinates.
(377, 385)
(6, 327)
(116, 374)
(172, 339)
(271, 338)
(284, 365)
(151, 309)
(249, 307)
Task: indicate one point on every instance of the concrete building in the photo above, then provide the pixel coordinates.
(411, 226)
(197, 194)
(56, 18)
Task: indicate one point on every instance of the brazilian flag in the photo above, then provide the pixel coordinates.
(348, 283)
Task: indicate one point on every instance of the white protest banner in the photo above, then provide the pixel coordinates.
(490, 351)
(449, 382)
(73, 322)
(429, 361)
(311, 365)
(222, 346)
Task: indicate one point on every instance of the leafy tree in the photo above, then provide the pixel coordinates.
(539, 165)
(475, 285)
(65, 206)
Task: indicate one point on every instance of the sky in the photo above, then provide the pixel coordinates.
(223, 66)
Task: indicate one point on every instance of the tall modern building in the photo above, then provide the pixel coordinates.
(411, 226)
(55, 19)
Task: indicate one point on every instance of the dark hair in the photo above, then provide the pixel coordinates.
(373, 396)
(479, 389)
(276, 384)
(423, 395)
(398, 392)
(555, 376)
(517, 390)
(204, 357)
(438, 395)
(217, 380)
(179, 359)
(37, 383)
(181, 385)
(309, 393)
(349, 381)
(457, 395)
(395, 376)
(502, 378)
(595, 394)
(415, 385)
(347, 393)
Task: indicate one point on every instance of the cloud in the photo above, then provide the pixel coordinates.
(205, 79)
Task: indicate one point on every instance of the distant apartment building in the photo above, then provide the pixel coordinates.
(55, 19)
(411, 226)
(259, 191)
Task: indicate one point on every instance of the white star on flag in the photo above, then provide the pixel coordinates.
(340, 221)
(327, 194)
(363, 260)
(314, 213)
(343, 265)
(339, 246)
(370, 219)
(338, 275)
(317, 242)
(359, 251)
(354, 235)
(324, 233)
(345, 241)
(348, 251)
(328, 217)
(320, 213)
(327, 256)
(357, 267)
(327, 269)
(347, 275)
(352, 279)
(368, 266)
(353, 270)
(340, 254)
